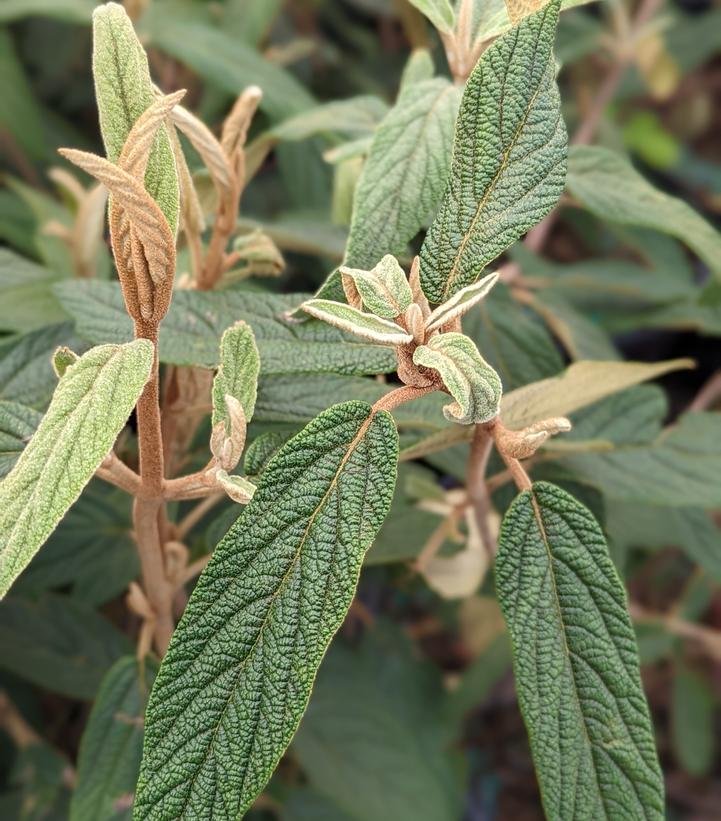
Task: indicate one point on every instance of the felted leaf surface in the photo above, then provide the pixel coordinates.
(191, 331)
(112, 743)
(575, 662)
(406, 171)
(90, 407)
(238, 373)
(236, 679)
(509, 157)
(471, 381)
(17, 424)
(610, 187)
(124, 90)
(367, 326)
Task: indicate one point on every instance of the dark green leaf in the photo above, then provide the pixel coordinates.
(240, 667)
(575, 662)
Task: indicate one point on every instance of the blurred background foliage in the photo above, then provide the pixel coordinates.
(414, 714)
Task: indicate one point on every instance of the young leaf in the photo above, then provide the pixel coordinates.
(405, 173)
(237, 677)
(509, 157)
(112, 743)
(367, 326)
(575, 662)
(610, 187)
(384, 291)
(238, 373)
(461, 303)
(124, 90)
(470, 380)
(90, 407)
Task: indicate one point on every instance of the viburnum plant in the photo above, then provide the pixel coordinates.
(238, 668)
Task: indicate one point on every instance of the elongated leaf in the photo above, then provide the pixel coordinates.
(90, 407)
(575, 661)
(124, 90)
(240, 667)
(59, 644)
(692, 721)
(112, 744)
(509, 157)
(405, 173)
(17, 424)
(355, 117)
(384, 290)
(367, 326)
(191, 331)
(610, 187)
(238, 373)
(461, 303)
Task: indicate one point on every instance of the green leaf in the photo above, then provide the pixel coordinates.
(112, 743)
(191, 331)
(404, 175)
(238, 373)
(71, 11)
(90, 407)
(367, 326)
(693, 709)
(471, 381)
(461, 303)
(575, 662)
(124, 90)
(610, 187)
(354, 117)
(59, 644)
(439, 12)
(373, 740)
(509, 157)
(236, 679)
(17, 424)
(384, 290)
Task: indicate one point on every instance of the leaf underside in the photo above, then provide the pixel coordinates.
(576, 663)
(509, 157)
(238, 674)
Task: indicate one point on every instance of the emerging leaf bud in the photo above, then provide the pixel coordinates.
(521, 444)
(384, 290)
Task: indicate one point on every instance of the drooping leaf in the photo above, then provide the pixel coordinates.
(509, 157)
(90, 407)
(112, 743)
(471, 381)
(575, 662)
(233, 687)
(405, 172)
(59, 644)
(124, 90)
(191, 331)
(373, 741)
(608, 185)
(238, 373)
(17, 424)
(367, 326)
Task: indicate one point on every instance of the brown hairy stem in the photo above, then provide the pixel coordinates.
(515, 468)
(400, 396)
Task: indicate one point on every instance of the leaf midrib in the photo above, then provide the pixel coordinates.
(274, 597)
